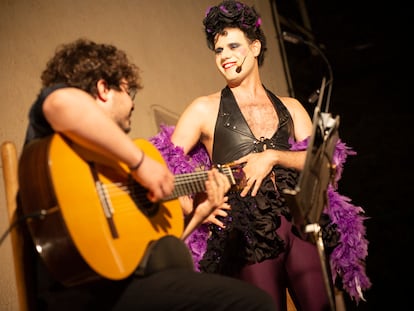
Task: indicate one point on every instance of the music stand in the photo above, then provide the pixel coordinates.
(309, 198)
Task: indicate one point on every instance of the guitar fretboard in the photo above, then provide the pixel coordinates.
(191, 183)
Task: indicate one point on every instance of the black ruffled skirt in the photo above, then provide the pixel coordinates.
(250, 234)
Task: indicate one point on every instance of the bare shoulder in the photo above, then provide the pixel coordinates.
(197, 123)
(294, 106)
(206, 104)
(291, 103)
(200, 113)
(300, 117)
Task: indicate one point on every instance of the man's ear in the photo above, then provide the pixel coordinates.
(256, 47)
(102, 90)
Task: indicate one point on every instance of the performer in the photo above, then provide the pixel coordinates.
(245, 123)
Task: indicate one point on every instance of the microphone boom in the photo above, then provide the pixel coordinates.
(296, 39)
(239, 68)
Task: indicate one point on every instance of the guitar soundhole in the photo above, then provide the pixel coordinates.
(139, 195)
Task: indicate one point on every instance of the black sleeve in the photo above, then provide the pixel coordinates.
(38, 125)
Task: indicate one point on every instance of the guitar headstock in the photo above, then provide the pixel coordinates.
(235, 174)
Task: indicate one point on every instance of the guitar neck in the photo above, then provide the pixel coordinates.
(186, 184)
(192, 183)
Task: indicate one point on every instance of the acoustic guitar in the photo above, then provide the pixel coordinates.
(88, 218)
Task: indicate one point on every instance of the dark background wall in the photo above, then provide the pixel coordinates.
(366, 44)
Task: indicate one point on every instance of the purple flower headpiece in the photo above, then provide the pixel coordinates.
(234, 14)
(231, 14)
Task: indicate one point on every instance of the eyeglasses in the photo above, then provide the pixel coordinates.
(130, 91)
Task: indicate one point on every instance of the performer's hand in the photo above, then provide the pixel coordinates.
(257, 167)
(210, 203)
(214, 204)
(218, 211)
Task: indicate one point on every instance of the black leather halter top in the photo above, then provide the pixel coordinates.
(233, 137)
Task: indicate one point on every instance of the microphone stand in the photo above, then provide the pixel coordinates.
(309, 198)
(295, 39)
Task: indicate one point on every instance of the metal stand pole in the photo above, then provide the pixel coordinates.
(317, 232)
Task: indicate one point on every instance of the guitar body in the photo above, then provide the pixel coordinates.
(96, 221)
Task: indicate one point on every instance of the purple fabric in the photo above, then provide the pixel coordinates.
(347, 260)
(179, 163)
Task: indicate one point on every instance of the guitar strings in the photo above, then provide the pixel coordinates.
(122, 196)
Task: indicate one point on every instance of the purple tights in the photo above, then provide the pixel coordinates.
(298, 269)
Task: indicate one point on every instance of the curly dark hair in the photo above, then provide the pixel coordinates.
(234, 14)
(83, 62)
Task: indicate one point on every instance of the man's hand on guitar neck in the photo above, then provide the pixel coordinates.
(206, 206)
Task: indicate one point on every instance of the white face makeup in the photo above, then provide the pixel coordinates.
(232, 50)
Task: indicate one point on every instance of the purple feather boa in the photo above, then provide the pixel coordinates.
(179, 163)
(347, 260)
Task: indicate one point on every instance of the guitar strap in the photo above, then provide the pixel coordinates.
(168, 252)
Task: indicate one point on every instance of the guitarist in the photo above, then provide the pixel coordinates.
(87, 95)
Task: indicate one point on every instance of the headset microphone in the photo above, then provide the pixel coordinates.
(239, 68)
